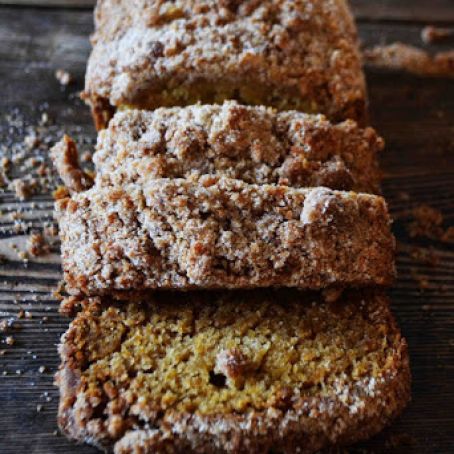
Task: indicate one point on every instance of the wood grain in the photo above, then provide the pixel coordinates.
(404, 10)
(51, 3)
(435, 11)
(415, 115)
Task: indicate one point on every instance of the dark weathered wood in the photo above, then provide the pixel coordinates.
(404, 10)
(392, 10)
(51, 3)
(416, 117)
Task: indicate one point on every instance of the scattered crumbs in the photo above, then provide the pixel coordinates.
(39, 407)
(23, 188)
(45, 120)
(63, 77)
(51, 230)
(404, 196)
(42, 369)
(23, 256)
(3, 325)
(37, 245)
(400, 439)
(31, 141)
(431, 34)
(18, 372)
(6, 324)
(331, 295)
(426, 256)
(2, 352)
(402, 57)
(2, 179)
(448, 235)
(423, 283)
(9, 340)
(25, 166)
(21, 314)
(428, 223)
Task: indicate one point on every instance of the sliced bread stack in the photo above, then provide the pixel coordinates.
(227, 263)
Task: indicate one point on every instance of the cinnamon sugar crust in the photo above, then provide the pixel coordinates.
(222, 233)
(299, 55)
(253, 144)
(232, 372)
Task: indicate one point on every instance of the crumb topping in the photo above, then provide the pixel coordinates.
(217, 232)
(254, 144)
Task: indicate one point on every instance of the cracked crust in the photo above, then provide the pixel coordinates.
(253, 144)
(114, 395)
(222, 233)
(299, 54)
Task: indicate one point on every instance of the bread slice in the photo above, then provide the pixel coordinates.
(232, 372)
(222, 233)
(253, 144)
(288, 54)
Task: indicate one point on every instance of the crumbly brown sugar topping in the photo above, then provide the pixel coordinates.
(217, 232)
(253, 144)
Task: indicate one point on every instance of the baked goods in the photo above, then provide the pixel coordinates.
(222, 233)
(65, 158)
(232, 372)
(299, 54)
(253, 144)
(227, 197)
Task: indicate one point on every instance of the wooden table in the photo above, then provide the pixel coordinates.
(415, 115)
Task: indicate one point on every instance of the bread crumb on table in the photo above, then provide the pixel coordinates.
(37, 245)
(403, 57)
(64, 77)
(427, 222)
(431, 34)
